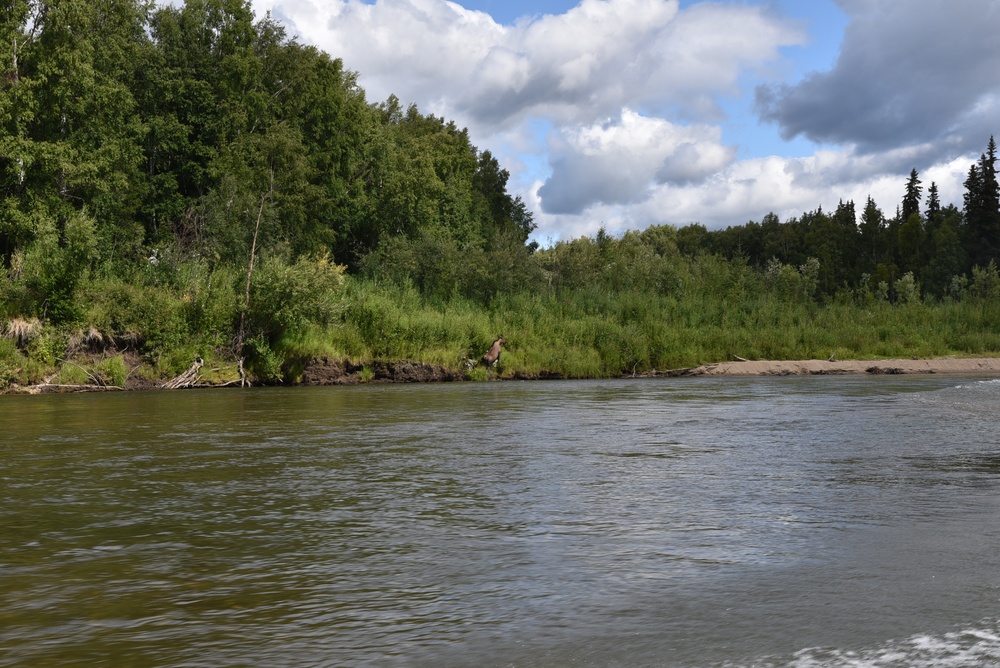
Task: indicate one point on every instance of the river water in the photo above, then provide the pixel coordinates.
(682, 522)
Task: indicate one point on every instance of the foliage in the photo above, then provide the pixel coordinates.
(112, 370)
(286, 297)
(148, 317)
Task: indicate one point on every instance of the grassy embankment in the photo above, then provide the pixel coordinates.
(590, 334)
(151, 329)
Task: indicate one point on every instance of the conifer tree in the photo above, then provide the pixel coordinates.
(911, 201)
(909, 228)
(933, 212)
(948, 258)
(982, 209)
(872, 234)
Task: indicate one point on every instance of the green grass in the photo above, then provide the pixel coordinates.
(588, 333)
(583, 332)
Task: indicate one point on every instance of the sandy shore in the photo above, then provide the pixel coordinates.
(961, 366)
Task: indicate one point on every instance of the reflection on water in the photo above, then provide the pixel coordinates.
(789, 521)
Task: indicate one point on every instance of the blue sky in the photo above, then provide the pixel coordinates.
(508, 11)
(629, 113)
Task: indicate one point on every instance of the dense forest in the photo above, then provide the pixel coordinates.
(186, 182)
(933, 249)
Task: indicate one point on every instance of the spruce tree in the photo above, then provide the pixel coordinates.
(982, 209)
(871, 232)
(911, 201)
(933, 212)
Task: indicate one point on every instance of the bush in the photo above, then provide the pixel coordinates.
(54, 265)
(211, 298)
(48, 347)
(112, 370)
(261, 360)
(907, 289)
(10, 362)
(150, 316)
(285, 298)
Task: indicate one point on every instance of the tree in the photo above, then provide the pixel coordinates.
(910, 242)
(933, 212)
(947, 256)
(498, 212)
(71, 131)
(846, 229)
(781, 240)
(691, 239)
(982, 209)
(911, 200)
(872, 235)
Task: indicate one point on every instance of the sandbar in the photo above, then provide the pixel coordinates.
(947, 365)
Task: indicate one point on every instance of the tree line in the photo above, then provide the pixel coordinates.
(133, 134)
(936, 245)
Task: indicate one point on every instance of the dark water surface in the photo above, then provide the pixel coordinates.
(684, 522)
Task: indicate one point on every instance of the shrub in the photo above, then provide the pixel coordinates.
(288, 297)
(907, 289)
(10, 362)
(112, 370)
(48, 347)
(261, 360)
(152, 317)
(54, 265)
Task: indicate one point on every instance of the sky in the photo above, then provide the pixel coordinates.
(628, 113)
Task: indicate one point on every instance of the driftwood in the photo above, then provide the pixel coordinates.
(243, 374)
(186, 379)
(48, 386)
(58, 387)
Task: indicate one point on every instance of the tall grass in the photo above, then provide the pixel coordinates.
(709, 311)
(588, 332)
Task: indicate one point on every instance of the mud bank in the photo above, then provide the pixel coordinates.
(327, 371)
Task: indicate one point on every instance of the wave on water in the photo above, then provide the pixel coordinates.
(975, 396)
(993, 383)
(976, 646)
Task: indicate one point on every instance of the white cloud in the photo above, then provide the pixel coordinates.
(539, 94)
(577, 67)
(617, 162)
(750, 189)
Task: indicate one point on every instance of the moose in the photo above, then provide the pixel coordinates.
(493, 355)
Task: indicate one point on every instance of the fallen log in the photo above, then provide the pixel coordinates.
(50, 388)
(186, 379)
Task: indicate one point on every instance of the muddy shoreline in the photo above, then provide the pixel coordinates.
(339, 372)
(325, 371)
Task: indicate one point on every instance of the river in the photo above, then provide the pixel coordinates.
(730, 522)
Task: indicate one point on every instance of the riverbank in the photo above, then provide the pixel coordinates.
(326, 371)
(949, 365)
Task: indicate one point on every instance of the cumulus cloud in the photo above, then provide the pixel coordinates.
(617, 162)
(576, 67)
(791, 186)
(907, 74)
(750, 189)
